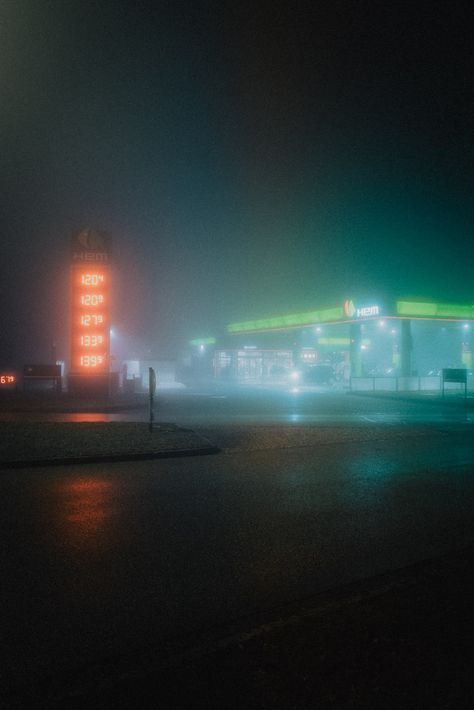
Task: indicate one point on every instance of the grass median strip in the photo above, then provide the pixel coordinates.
(59, 442)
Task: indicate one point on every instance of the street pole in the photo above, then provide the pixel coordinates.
(151, 393)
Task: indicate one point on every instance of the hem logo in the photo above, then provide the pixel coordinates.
(90, 256)
(366, 312)
(91, 245)
(349, 309)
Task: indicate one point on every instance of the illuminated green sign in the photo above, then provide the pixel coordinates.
(418, 309)
(202, 341)
(293, 320)
(339, 341)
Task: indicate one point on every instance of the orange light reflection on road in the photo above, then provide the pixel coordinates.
(88, 417)
(86, 507)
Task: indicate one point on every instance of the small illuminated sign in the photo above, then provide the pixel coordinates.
(351, 311)
(92, 279)
(92, 299)
(90, 317)
(92, 341)
(7, 379)
(367, 311)
(91, 245)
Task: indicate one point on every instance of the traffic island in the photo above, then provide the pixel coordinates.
(60, 443)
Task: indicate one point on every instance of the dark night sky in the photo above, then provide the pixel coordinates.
(249, 159)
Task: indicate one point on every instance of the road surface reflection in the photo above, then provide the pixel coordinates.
(86, 508)
(71, 417)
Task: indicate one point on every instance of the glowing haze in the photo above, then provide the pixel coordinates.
(248, 160)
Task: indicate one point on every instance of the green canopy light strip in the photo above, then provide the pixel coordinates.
(340, 341)
(418, 309)
(293, 320)
(202, 341)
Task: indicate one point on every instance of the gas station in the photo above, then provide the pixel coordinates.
(357, 340)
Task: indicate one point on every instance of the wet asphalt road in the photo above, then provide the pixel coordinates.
(305, 406)
(211, 405)
(102, 560)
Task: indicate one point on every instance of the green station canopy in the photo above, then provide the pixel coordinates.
(404, 309)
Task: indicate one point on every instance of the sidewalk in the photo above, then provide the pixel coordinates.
(24, 444)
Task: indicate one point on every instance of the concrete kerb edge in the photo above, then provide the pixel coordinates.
(111, 458)
(463, 403)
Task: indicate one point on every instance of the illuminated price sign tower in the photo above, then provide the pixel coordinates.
(90, 312)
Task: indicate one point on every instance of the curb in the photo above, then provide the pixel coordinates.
(111, 458)
(464, 403)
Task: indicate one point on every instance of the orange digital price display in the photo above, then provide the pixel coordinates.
(7, 379)
(90, 304)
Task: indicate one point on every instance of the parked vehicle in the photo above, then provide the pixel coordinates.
(320, 375)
